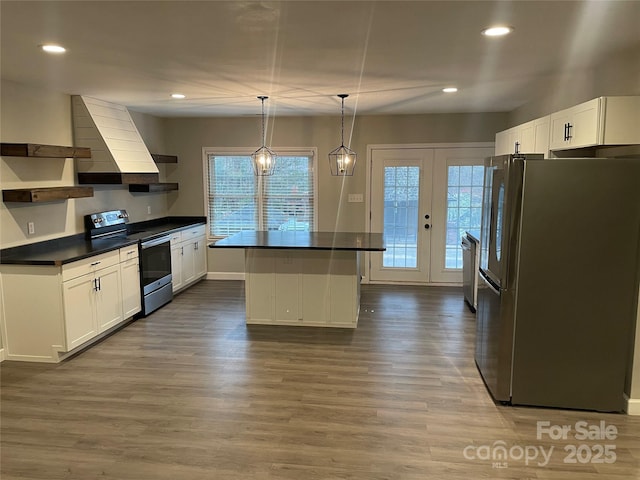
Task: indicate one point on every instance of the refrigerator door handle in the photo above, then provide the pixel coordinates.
(490, 283)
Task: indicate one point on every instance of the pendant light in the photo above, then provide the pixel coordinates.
(342, 160)
(264, 159)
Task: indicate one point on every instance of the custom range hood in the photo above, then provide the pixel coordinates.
(118, 153)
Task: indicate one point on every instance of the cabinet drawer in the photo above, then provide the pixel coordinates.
(90, 265)
(176, 237)
(193, 232)
(127, 253)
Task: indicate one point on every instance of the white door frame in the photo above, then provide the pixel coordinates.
(388, 146)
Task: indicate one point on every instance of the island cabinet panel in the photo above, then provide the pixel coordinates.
(286, 286)
(302, 287)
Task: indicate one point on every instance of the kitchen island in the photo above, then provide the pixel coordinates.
(302, 278)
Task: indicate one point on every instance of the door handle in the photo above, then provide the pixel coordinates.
(427, 217)
(427, 226)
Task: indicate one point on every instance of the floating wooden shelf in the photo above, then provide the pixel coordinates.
(43, 151)
(45, 194)
(164, 158)
(114, 178)
(153, 187)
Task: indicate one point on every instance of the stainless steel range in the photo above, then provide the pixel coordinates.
(155, 255)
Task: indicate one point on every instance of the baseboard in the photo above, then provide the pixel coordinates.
(2, 357)
(632, 405)
(225, 276)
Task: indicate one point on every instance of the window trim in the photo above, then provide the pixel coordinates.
(241, 151)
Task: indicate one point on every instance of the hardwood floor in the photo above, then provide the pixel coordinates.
(192, 393)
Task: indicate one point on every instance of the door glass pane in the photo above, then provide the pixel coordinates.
(464, 207)
(400, 229)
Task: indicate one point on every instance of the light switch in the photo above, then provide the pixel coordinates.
(355, 198)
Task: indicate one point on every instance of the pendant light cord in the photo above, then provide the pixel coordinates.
(342, 127)
(264, 137)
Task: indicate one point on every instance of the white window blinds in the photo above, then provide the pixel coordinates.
(238, 200)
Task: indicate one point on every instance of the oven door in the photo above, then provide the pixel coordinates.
(155, 264)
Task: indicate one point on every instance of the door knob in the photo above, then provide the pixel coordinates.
(427, 216)
(427, 226)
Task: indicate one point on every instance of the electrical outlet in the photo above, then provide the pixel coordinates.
(31, 227)
(148, 209)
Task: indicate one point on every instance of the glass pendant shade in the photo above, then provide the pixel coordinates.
(342, 160)
(263, 159)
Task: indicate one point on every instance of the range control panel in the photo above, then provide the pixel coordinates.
(106, 219)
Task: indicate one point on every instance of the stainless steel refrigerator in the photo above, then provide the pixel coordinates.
(559, 270)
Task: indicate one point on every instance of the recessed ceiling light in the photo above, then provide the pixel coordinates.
(450, 90)
(178, 95)
(497, 31)
(50, 48)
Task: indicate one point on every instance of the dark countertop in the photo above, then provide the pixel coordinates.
(76, 247)
(303, 240)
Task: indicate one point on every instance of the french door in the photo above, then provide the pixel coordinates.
(422, 200)
(401, 210)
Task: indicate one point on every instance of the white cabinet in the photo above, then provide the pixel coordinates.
(130, 273)
(92, 297)
(598, 122)
(302, 287)
(530, 137)
(79, 318)
(188, 256)
(76, 303)
(176, 266)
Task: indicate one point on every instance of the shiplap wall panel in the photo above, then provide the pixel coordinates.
(109, 131)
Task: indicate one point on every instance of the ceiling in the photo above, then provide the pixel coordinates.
(392, 57)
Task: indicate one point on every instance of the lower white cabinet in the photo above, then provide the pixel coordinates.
(130, 273)
(188, 256)
(51, 310)
(302, 287)
(92, 304)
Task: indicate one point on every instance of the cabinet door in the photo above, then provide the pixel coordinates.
(79, 312)
(584, 124)
(108, 298)
(176, 266)
(503, 143)
(200, 257)
(541, 134)
(557, 130)
(188, 263)
(525, 138)
(130, 273)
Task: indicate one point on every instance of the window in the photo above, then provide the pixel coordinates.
(401, 196)
(464, 208)
(239, 200)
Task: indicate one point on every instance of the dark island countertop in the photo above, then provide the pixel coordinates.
(303, 240)
(68, 249)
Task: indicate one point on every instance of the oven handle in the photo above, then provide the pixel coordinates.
(154, 242)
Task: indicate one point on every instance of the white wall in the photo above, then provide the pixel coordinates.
(617, 75)
(187, 136)
(35, 116)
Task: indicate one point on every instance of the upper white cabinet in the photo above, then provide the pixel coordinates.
(530, 137)
(601, 121)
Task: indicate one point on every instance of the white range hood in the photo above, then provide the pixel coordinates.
(118, 153)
